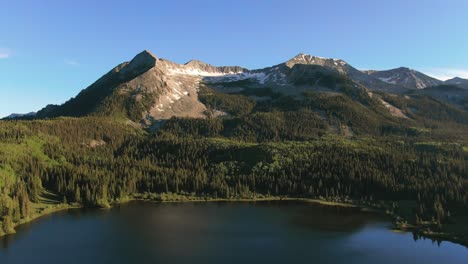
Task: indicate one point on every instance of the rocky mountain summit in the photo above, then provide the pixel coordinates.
(156, 87)
(148, 88)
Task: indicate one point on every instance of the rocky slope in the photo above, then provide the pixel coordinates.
(148, 88)
(145, 89)
(284, 74)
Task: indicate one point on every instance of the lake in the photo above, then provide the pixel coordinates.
(221, 232)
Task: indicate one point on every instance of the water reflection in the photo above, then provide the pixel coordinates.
(334, 218)
(273, 232)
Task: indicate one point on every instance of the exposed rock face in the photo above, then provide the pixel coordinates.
(282, 75)
(139, 64)
(394, 111)
(177, 94)
(339, 66)
(158, 88)
(207, 69)
(149, 88)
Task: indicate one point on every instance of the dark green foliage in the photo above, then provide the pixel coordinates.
(108, 96)
(240, 83)
(281, 103)
(236, 105)
(256, 127)
(396, 100)
(194, 127)
(276, 126)
(430, 108)
(88, 100)
(260, 92)
(347, 112)
(129, 105)
(284, 145)
(182, 158)
(312, 75)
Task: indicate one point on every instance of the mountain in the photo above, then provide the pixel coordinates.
(18, 116)
(452, 94)
(148, 89)
(93, 98)
(405, 77)
(280, 75)
(309, 127)
(341, 67)
(463, 83)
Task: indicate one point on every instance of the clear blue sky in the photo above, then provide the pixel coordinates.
(50, 50)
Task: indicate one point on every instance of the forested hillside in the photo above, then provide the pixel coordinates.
(334, 146)
(302, 129)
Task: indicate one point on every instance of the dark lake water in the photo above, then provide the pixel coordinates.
(262, 232)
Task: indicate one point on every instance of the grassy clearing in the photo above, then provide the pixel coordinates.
(48, 203)
(11, 155)
(30, 147)
(7, 175)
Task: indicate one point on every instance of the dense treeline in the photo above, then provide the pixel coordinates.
(337, 145)
(352, 112)
(94, 161)
(234, 104)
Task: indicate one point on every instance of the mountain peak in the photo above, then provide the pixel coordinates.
(308, 57)
(142, 62)
(300, 55)
(147, 53)
(404, 69)
(303, 58)
(456, 79)
(196, 63)
(406, 78)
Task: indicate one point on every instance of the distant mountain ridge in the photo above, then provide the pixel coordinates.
(463, 83)
(149, 88)
(16, 115)
(406, 78)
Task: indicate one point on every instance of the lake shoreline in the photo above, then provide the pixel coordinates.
(397, 226)
(38, 215)
(139, 197)
(422, 231)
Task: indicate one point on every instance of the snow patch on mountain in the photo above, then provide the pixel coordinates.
(388, 79)
(197, 72)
